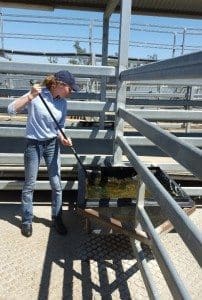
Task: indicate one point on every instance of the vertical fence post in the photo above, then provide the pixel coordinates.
(183, 40)
(124, 33)
(137, 248)
(105, 38)
(91, 39)
(140, 200)
(190, 96)
(174, 44)
(2, 30)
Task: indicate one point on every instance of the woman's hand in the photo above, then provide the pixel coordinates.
(65, 142)
(34, 92)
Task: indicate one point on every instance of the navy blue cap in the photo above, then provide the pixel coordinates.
(68, 78)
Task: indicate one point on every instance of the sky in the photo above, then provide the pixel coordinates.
(146, 40)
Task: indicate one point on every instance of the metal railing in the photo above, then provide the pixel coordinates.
(93, 107)
(187, 155)
(178, 37)
(184, 153)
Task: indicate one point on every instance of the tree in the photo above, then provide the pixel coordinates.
(78, 48)
(79, 51)
(53, 59)
(153, 57)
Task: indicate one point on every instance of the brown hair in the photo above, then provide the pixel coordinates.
(49, 81)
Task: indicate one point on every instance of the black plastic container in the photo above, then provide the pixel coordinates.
(118, 186)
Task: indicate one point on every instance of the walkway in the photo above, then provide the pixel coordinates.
(80, 266)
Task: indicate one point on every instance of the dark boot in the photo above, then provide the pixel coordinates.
(59, 225)
(26, 230)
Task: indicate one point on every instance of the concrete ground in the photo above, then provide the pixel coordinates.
(81, 265)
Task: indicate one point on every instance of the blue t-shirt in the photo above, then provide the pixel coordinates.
(40, 125)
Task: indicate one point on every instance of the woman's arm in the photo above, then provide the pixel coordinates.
(20, 103)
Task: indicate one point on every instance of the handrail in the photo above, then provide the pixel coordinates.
(183, 67)
(187, 230)
(170, 274)
(95, 107)
(168, 114)
(13, 131)
(11, 159)
(44, 69)
(4, 92)
(187, 155)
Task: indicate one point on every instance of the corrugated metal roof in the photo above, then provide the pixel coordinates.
(174, 8)
(178, 8)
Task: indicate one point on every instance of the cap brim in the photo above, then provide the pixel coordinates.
(75, 87)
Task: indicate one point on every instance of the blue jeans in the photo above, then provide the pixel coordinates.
(34, 151)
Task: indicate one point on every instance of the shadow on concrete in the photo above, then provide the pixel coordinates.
(12, 214)
(82, 256)
(96, 254)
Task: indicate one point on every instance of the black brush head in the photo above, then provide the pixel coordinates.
(93, 176)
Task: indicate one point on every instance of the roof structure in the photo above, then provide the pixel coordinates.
(172, 8)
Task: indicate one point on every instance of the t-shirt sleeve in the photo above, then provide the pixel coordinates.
(11, 107)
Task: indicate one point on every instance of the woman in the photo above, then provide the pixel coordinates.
(42, 141)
